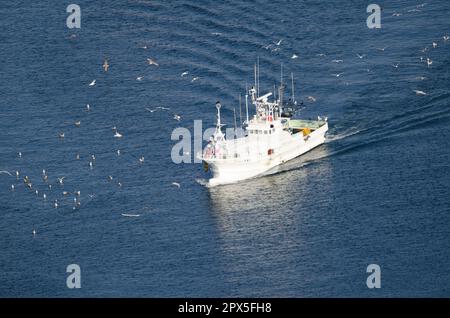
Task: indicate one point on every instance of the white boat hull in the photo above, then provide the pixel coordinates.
(234, 170)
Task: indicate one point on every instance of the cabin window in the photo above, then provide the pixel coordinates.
(260, 132)
(265, 132)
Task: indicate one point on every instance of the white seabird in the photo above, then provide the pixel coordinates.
(152, 62)
(93, 83)
(105, 65)
(422, 93)
(117, 135)
(6, 172)
(61, 180)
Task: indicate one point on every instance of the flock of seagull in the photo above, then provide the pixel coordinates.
(273, 47)
(45, 194)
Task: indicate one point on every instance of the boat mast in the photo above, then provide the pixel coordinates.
(218, 115)
(280, 104)
(292, 82)
(246, 104)
(256, 79)
(235, 122)
(240, 109)
(257, 91)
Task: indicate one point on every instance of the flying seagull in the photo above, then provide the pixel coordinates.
(422, 93)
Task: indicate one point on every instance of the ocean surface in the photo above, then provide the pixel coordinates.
(377, 192)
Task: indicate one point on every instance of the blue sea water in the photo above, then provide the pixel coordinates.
(377, 192)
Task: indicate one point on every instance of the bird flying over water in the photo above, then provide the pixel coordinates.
(105, 65)
(152, 62)
(93, 83)
(422, 93)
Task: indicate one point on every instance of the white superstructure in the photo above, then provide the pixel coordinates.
(271, 138)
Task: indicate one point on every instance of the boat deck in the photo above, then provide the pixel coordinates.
(301, 124)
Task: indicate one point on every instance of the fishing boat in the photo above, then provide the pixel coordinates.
(271, 138)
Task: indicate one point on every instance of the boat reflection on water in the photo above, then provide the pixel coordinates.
(263, 223)
(272, 199)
